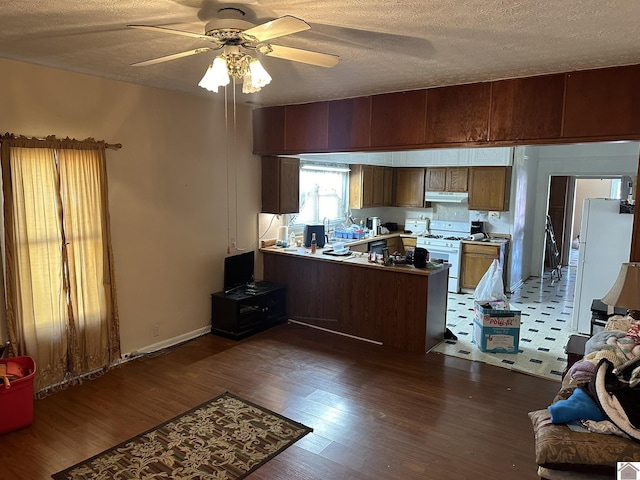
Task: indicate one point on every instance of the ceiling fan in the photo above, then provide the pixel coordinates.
(233, 36)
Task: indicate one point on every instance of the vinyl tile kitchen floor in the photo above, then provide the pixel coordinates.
(546, 307)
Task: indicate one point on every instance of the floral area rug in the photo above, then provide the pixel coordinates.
(224, 438)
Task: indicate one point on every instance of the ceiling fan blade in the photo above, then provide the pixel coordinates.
(166, 58)
(279, 27)
(303, 56)
(172, 31)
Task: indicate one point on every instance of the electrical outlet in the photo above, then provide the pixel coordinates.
(155, 330)
(494, 215)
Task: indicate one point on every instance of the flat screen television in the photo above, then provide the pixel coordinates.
(238, 270)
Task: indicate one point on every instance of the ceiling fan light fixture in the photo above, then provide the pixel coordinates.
(233, 35)
(248, 86)
(259, 76)
(216, 75)
(236, 65)
(255, 78)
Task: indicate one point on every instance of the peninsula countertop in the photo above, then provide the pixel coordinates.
(399, 306)
(356, 259)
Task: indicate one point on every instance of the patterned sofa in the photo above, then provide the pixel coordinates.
(565, 454)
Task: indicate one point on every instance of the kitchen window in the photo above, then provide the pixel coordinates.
(324, 194)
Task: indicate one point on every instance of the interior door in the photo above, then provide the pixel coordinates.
(557, 210)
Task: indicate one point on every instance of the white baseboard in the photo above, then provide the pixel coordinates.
(170, 342)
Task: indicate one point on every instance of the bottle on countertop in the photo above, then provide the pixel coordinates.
(313, 243)
(292, 239)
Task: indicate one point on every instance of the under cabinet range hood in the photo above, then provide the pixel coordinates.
(450, 197)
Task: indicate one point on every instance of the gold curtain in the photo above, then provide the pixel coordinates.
(61, 295)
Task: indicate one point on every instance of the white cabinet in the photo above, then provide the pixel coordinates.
(399, 159)
(454, 157)
(488, 157)
(431, 158)
(435, 157)
(447, 157)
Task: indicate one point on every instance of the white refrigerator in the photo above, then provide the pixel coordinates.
(605, 244)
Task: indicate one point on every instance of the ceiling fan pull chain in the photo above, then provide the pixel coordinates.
(226, 138)
(235, 152)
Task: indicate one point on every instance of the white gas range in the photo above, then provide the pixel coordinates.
(444, 241)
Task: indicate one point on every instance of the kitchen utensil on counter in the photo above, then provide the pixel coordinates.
(420, 257)
(337, 246)
(477, 236)
(373, 224)
(338, 252)
(477, 227)
(408, 255)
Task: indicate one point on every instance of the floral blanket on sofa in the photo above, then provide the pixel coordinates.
(604, 385)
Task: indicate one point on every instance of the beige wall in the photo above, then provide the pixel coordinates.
(173, 210)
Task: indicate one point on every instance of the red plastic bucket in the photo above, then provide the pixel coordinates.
(16, 402)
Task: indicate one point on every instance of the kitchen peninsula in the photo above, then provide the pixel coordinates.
(398, 305)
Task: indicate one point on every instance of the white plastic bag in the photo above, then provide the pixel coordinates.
(490, 287)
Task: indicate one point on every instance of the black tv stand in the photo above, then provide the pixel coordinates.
(248, 309)
(247, 287)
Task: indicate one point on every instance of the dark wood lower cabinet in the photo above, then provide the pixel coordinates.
(246, 311)
(401, 310)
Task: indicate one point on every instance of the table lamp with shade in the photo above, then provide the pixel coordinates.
(625, 292)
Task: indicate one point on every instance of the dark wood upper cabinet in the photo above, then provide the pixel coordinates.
(280, 185)
(370, 186)
(458, 114)
(398, 118)
(409, 187)
(306, 127)
(591, 105)
(378, 186)
(527, 108)
(387, 200)
(361, 186)
(349, 123)
(268, 130)
(603, 103)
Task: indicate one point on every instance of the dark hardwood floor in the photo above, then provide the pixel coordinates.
(376, 413)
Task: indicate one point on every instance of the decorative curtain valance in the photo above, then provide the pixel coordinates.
(52, 142)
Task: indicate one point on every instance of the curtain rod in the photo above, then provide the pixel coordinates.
(113, 146)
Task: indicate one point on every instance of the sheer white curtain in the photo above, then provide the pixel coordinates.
(61, 307)
(323, 194)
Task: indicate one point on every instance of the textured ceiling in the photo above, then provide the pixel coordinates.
(383, 46)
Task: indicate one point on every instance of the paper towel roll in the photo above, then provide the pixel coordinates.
(283, 234)
(476, 236)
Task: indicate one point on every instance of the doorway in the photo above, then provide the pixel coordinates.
(566, 197)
